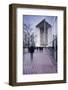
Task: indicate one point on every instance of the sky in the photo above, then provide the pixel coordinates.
(33, 20)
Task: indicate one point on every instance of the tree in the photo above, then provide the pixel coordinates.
(28, 36)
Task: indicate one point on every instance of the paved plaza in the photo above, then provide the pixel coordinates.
(42, 62)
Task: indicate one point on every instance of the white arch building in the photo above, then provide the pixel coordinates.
(45, 33)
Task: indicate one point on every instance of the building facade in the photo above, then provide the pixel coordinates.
(46, 34)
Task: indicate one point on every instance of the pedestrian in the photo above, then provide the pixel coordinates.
(31, 50)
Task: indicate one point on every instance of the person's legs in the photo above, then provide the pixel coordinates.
(31, 56)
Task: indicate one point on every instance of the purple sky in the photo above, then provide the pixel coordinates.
(34, 20)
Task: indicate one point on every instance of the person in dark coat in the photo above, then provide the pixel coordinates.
(31, 51)
(41, 48)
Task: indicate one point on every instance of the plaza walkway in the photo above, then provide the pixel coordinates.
(41, 63)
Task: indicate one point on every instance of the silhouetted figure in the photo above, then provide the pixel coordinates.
(41, 48)
(31, 50)
(37, 48)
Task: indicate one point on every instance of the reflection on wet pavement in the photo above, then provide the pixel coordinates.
(39, 62)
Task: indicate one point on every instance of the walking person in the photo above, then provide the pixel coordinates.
(31, 50)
